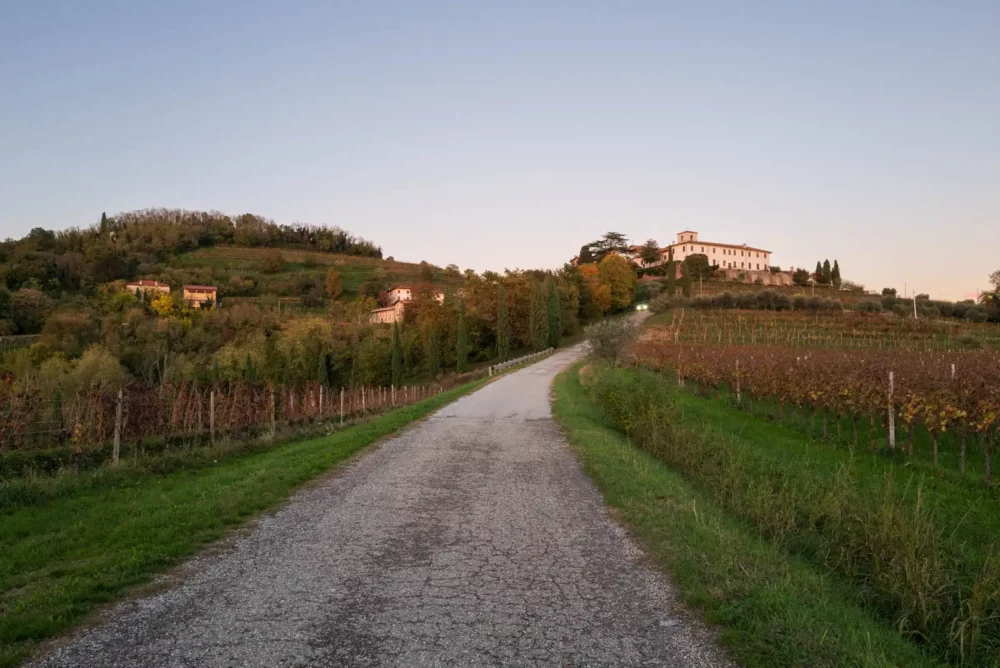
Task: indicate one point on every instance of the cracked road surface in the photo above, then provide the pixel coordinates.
(471, 539)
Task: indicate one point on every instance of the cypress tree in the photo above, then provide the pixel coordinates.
(462, 341)
(432, 349)
(835, 274)
(538, 324)
(827, 273)
(586, 256)
(503, 325)
(397, 357)
(554, 308)
(819, 271)
(322, 372)
(686, 283)
(671, 274)
(249, 373)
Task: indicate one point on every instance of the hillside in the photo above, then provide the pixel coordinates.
(243, 274)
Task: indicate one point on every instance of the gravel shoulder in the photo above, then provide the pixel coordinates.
(472, 538)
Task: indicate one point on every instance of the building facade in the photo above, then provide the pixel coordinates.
(151, 289)
(727, 256)
(196, 295)
(397, 298)
(389, 314)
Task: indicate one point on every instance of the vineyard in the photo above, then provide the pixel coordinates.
(184, 413)
(804, 330)
(953, 398)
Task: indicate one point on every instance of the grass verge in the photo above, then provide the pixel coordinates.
(89, 546)
(775, 609)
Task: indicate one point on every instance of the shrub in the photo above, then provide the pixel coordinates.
(610, 339)
(664, 302)
(800, 302)
(869, 306)
(968, 342)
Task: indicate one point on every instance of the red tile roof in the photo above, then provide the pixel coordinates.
(201, 288)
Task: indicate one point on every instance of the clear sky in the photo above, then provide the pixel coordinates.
(508, 133)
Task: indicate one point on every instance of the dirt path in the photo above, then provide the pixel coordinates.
(473, 538)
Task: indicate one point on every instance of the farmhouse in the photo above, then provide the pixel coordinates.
(196, 295)
(398, 297)
(727, 256)
(148, 288)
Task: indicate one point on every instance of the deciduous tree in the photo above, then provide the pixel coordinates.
(616, 272)
(503, 332)
(334, 283)
(538, 326)
(554, 308)
(462, 341)
(650, 251)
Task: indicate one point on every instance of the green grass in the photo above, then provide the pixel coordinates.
(92, 543)
(773, 608)
(224, 262)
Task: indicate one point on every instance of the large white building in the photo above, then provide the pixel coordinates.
(727, 256)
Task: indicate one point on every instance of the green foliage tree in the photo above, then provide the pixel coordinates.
(698, 267)
(818, 274)
(835, 275)
(585, 256)
(432, 347)
(249, 372)
(827, 274)
(461, 341)
(538, 322)
(426, 272)
(800, 277)
(397, 357)
(610, 243)
(686, 283)
(553, 307)
(28, 310)
(503, 330)
(650, 251)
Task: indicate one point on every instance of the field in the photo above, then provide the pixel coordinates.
(238, 265)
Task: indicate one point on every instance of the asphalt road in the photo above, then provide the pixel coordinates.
(471, 539)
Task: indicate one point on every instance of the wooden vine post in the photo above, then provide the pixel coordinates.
(892, 412)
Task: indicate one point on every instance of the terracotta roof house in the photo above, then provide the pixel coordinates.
(196, 295)
(727, 256)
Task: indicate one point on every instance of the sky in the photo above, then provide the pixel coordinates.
(509, 133)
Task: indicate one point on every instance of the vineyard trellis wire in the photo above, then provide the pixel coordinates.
(954, 393)
(138, 413)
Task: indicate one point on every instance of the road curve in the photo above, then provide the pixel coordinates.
(471, 539)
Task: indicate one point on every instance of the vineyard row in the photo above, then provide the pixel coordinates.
(944, 393)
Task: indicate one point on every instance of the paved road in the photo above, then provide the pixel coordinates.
(471, 539)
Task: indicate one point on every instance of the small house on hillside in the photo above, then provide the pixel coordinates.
(405, 293)
(389, 314)
(196, 295)
(398, 297)
(148, 288)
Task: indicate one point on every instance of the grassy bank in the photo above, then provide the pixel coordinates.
(106, 532)
(775, 608)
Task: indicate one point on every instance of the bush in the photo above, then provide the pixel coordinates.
(635, 400)
(968, 342)
(800, 302)
(610, 338)
(664, 302)
(869, 306)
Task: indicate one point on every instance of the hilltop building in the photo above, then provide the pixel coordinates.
(727, 256)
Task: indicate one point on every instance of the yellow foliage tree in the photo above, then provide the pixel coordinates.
(616, 272)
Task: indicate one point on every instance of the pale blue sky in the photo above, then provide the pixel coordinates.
(505, 134)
